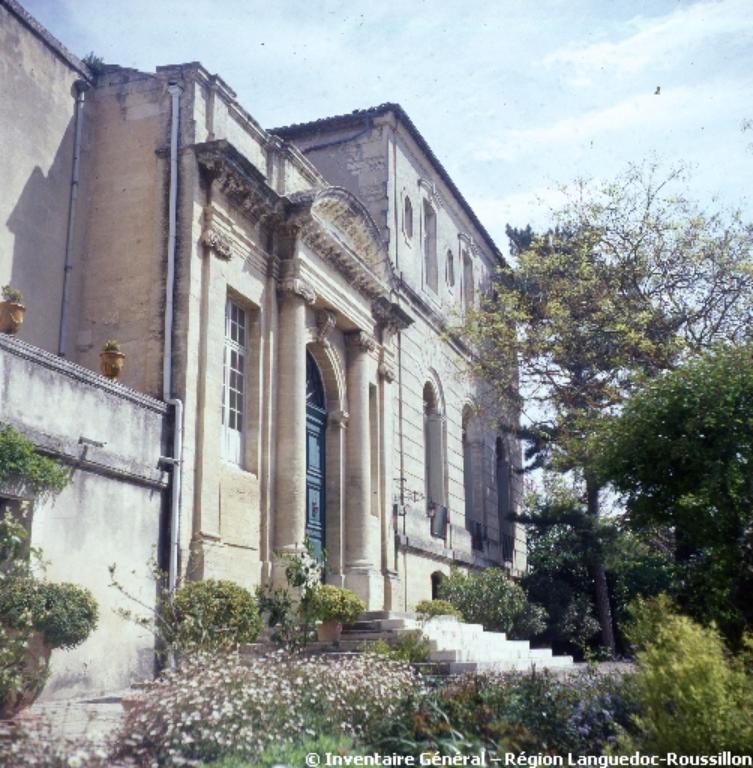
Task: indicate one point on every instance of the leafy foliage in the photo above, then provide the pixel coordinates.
(681, 453)
(490, 597)
(331, 602)
(562, 537)
(212, 614)
(534, 712)
(65, 613)
(20, 462)
(694, 698)
(12, 295)
(411, 647)
(426, 609)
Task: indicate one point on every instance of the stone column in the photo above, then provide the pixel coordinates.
(360, 572)
(290, 502)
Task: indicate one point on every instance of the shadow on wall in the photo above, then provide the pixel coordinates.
(39, 223)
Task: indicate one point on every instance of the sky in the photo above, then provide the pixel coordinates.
(516, 97)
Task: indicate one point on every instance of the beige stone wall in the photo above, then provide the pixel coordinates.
(36, 134)
(124, 204)
(111, 438)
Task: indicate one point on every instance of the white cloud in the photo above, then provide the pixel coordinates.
(533, 206)
(657, 40)
(646, 112)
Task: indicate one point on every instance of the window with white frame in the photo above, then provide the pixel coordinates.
(234, 383)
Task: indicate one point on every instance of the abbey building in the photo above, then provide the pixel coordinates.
(284, 299)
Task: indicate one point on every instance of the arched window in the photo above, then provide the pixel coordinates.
(450, 268)
(436, 582)
(408, 218)
(430, 247)
(474, 512)
(503, 476)
(434, 462)
(469, 289)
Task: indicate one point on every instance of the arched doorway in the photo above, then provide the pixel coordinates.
(316, 424)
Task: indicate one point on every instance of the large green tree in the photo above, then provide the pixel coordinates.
(681, 452)
(631, 278)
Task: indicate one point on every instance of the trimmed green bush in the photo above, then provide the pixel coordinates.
(490, 597)
(66, 613)
(412, 647)
(211, 614)
(426, 609)
(327, 602)
(694, 698)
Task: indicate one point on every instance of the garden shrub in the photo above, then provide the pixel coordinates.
(533, 712)
(694, 697)
(410, 647)
(66, 613)
(210, 615)
(490, 597)
(329, 602)
(210, 707)
(426, 609)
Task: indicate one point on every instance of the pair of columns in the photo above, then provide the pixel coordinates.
(290, 507)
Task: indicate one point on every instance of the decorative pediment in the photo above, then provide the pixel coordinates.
(333, 222)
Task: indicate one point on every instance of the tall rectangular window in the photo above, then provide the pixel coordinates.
(234, 383)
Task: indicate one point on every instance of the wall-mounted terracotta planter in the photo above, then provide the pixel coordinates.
(11, 316)
(111, 364)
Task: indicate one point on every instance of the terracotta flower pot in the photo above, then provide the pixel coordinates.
(329, 631)
(111, 364)
(11, 316)
(34, 673)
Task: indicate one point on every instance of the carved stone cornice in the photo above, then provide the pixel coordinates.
(360, 341)
(325, 322)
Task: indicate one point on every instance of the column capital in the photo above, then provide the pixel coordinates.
(296, 286)
(387, 371)
(360, 341)
(340, 419)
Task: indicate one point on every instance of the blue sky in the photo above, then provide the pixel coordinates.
(515, 97)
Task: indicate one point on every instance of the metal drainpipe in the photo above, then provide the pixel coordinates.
(81, 87)
(167, 365)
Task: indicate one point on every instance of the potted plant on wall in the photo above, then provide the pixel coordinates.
(12, 310)
(333, 606)
(111, 359)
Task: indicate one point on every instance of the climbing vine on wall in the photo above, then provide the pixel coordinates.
(20, 462)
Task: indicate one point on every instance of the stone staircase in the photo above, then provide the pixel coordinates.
(456, 647)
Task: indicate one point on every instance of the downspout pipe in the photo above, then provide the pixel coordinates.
(167, 357)
(80, 87)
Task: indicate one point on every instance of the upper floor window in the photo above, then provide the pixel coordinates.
(469, 289)
(234, 383)
(434, 463)
(450, 268)
(408, 218)
(430, 247)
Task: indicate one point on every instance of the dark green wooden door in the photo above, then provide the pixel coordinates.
(316, 422)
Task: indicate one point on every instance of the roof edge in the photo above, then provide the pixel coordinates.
(329, 123)
(36, 28)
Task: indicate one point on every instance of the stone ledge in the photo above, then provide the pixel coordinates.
(26, 351)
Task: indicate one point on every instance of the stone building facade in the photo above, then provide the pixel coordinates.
(288, 297)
